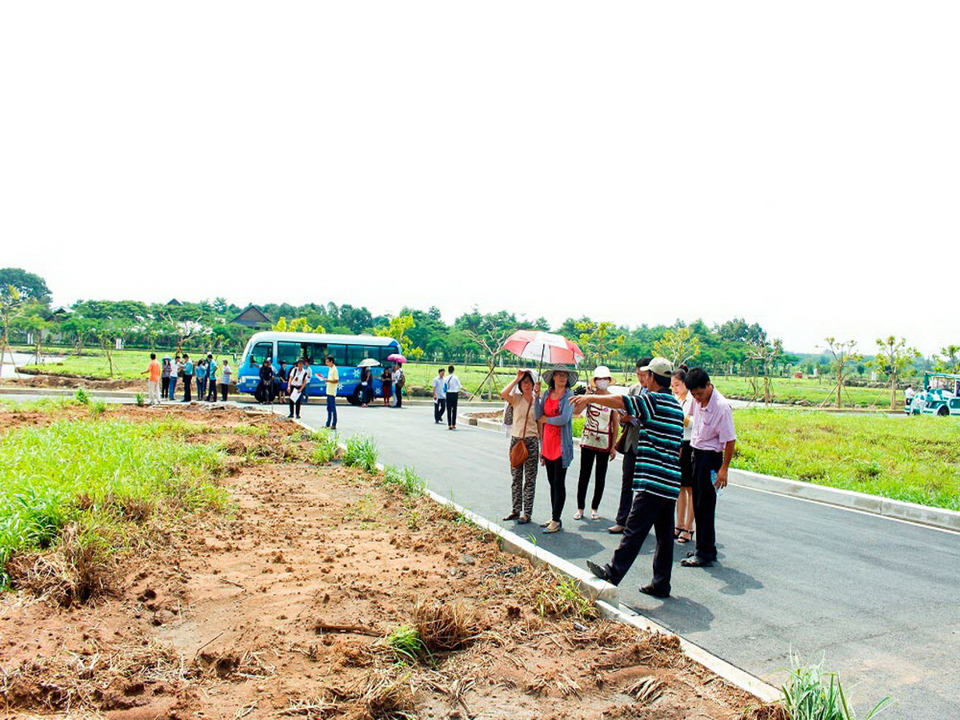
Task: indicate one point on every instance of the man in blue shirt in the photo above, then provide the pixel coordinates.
(187, 377)
(211, 378)
(656, 475)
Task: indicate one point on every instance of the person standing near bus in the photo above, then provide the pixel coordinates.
(398, 382)
(386, 379)
(453, 397)
(333, 379)
(296, 384)
(225, 374)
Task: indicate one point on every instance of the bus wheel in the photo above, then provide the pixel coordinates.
(354, 397)
(943, 411)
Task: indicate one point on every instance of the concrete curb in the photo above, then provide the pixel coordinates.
(848, 499)
(605, 596)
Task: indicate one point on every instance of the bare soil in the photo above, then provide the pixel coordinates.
(41, 380)
(281, 609)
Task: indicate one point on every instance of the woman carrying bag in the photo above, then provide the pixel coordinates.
(555, 415)
(521, 394)
(596, 444)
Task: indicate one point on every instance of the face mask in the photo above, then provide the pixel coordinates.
(603, 384)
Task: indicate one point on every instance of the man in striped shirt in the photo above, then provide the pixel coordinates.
(656, 475)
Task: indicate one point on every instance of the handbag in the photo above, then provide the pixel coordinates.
(621, 446)
(519, 452)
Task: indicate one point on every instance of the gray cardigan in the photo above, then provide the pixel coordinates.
(564, 420)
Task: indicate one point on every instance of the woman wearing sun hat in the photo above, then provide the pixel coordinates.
(596, 444)
(554, 414)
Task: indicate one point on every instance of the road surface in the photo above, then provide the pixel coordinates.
(878, 600)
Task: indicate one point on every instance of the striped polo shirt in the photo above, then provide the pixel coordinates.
(657, 467)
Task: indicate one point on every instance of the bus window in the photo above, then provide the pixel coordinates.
(356, 353)
(261, 351)
(339, 353)
(315, 352)
(288, 352)
(385, 351)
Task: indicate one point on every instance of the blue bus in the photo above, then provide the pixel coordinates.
(348, 352)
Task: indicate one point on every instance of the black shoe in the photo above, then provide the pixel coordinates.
(695, 561)
(599, 571)
(654, 591)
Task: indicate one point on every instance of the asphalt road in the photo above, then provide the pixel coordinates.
(876, 599)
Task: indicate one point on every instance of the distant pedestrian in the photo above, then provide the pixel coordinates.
(280, 381)
(629, 436)
(211, 379)
(656, 476)
(521, 396)
(399, 380)
(386, 380)
(296, 384)
(225, 374)
(439, 396)
(333, 380)
(554, 413)
(683, 532)
(366, 385)
(453, 397)
(200, 373)
(596, 444)
(187, 377)
(713, 440)
(176, 372)
(153, 372)
(165, 371)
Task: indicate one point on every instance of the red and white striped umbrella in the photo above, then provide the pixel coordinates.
(548, 348)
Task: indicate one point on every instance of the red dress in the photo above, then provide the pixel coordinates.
(552, 446)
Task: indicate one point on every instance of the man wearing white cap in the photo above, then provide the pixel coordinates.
(656, 476)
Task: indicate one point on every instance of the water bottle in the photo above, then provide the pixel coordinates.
(713, 481)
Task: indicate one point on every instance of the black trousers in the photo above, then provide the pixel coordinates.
(557, 477)
(626, 487)
(452, 398)
(587, 456)
(223, 391)
(439, 405)
(186, 387)
(648, 511)
(295, 405)
(164, 386)
(212, 389)
(705, 462)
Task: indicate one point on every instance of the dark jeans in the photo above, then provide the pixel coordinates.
(201, 388)
(626, 488)
(224, 388)
(587, 456)
(439, 405)
(399, 391)
(557, 477)
(295, 406)
(212, 389)
(331, 411)
(452, 398)
(164, 386)
(705, 501)
(186, 388)
(172, 391)
(647, 511)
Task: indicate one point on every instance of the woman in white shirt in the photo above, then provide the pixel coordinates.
(683, 532)
(521, 394)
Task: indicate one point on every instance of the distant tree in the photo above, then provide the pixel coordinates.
(948, 360)
(280, 325)
(844, 358)
(397, 328)
(893, 358)
(763, 358)
(107, 334)
(31, 321)
(77, 329)
(678, 345)
(11, 306)
(599, 341)
(28, 285)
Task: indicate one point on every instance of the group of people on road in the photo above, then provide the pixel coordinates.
(164, 375)
(446, 396)
(676, 436)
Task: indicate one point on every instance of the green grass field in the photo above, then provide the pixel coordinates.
(811, 391)
(96, 475)
(916, 459)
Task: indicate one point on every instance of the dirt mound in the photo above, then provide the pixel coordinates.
(302, 601)
(74, 381)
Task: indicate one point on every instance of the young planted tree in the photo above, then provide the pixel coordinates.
(107, 334)
(678, 345)
(78, 329)
(763, 357)
(11, 306)
(948, 359)
(892, 359)
(599, 341)
(32, 322)
(844, 358)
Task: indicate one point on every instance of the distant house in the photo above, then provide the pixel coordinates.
(174, 302)
(253, 317)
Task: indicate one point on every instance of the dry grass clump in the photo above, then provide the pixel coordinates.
(379, 694)
(770, 711)
(77, 569)
(445, 627)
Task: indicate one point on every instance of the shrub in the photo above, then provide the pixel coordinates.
(325, 447)
(141, 399)
(812, 694)
(82, 397)
(404, 478)
(98, 407)
(361, 452)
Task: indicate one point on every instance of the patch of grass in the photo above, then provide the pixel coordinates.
(98, 407)
(812, 694)
(364, 510)
(915, 459)
(95, 474)
(361, 452)
(140, 399)
(563, 598)
(82, 397)
(42, 405)
(325, 447)
(404, 478)
(407, 645)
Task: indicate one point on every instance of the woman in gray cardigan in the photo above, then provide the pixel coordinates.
(555, 415)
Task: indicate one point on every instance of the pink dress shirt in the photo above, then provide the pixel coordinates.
(713, 424)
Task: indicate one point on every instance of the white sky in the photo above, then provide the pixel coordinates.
(795, 164)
